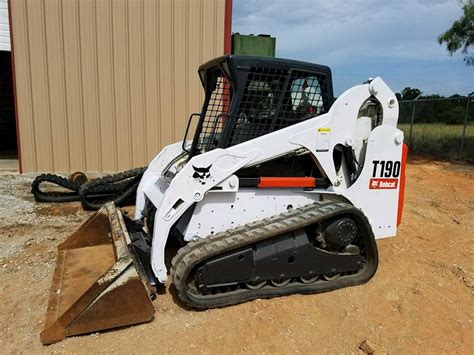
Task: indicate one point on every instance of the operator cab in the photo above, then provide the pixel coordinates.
(247, 97)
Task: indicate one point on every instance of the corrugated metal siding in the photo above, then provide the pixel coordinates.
(4, 27)
(104, 85)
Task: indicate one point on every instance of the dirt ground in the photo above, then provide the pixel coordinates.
(420, 300)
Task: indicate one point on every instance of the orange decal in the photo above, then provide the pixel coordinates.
(287, 182)
(401, 192)
(383, 184)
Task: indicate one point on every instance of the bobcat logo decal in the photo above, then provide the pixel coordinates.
(202, 174)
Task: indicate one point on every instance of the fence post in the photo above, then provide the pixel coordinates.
(412, 119)
(465, 124)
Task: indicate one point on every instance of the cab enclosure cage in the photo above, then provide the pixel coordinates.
(247, 97)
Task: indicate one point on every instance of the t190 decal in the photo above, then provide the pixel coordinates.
(386, 168)
(385, 174)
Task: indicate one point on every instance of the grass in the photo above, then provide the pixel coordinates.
(440, 140)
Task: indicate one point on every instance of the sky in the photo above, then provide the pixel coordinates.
(396, 40)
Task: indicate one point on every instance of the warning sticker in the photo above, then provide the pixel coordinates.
(383, 184)
(322, 139)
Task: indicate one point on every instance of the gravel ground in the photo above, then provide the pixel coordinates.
(420, 300)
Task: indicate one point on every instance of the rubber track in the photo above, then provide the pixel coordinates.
(195, 253)
(113, 185)
(49, 196)
(119, 187)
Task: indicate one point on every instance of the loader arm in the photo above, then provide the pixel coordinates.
(152, 176)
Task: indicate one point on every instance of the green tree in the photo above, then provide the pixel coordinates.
(461, 33)
(410, 93)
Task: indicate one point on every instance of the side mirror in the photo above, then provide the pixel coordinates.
(187, 129)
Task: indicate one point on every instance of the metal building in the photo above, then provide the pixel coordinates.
(4, 28)
(104, 85)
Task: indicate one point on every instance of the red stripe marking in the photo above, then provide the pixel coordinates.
(12, 53)
(228, 27)
(401, 191)
(287, 182)
(227, 50)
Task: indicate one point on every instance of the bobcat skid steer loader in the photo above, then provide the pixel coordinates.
(282, 190)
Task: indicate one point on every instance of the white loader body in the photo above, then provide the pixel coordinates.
(220, 202)
(282, 190)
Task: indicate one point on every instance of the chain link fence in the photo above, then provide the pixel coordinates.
(442, 128)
